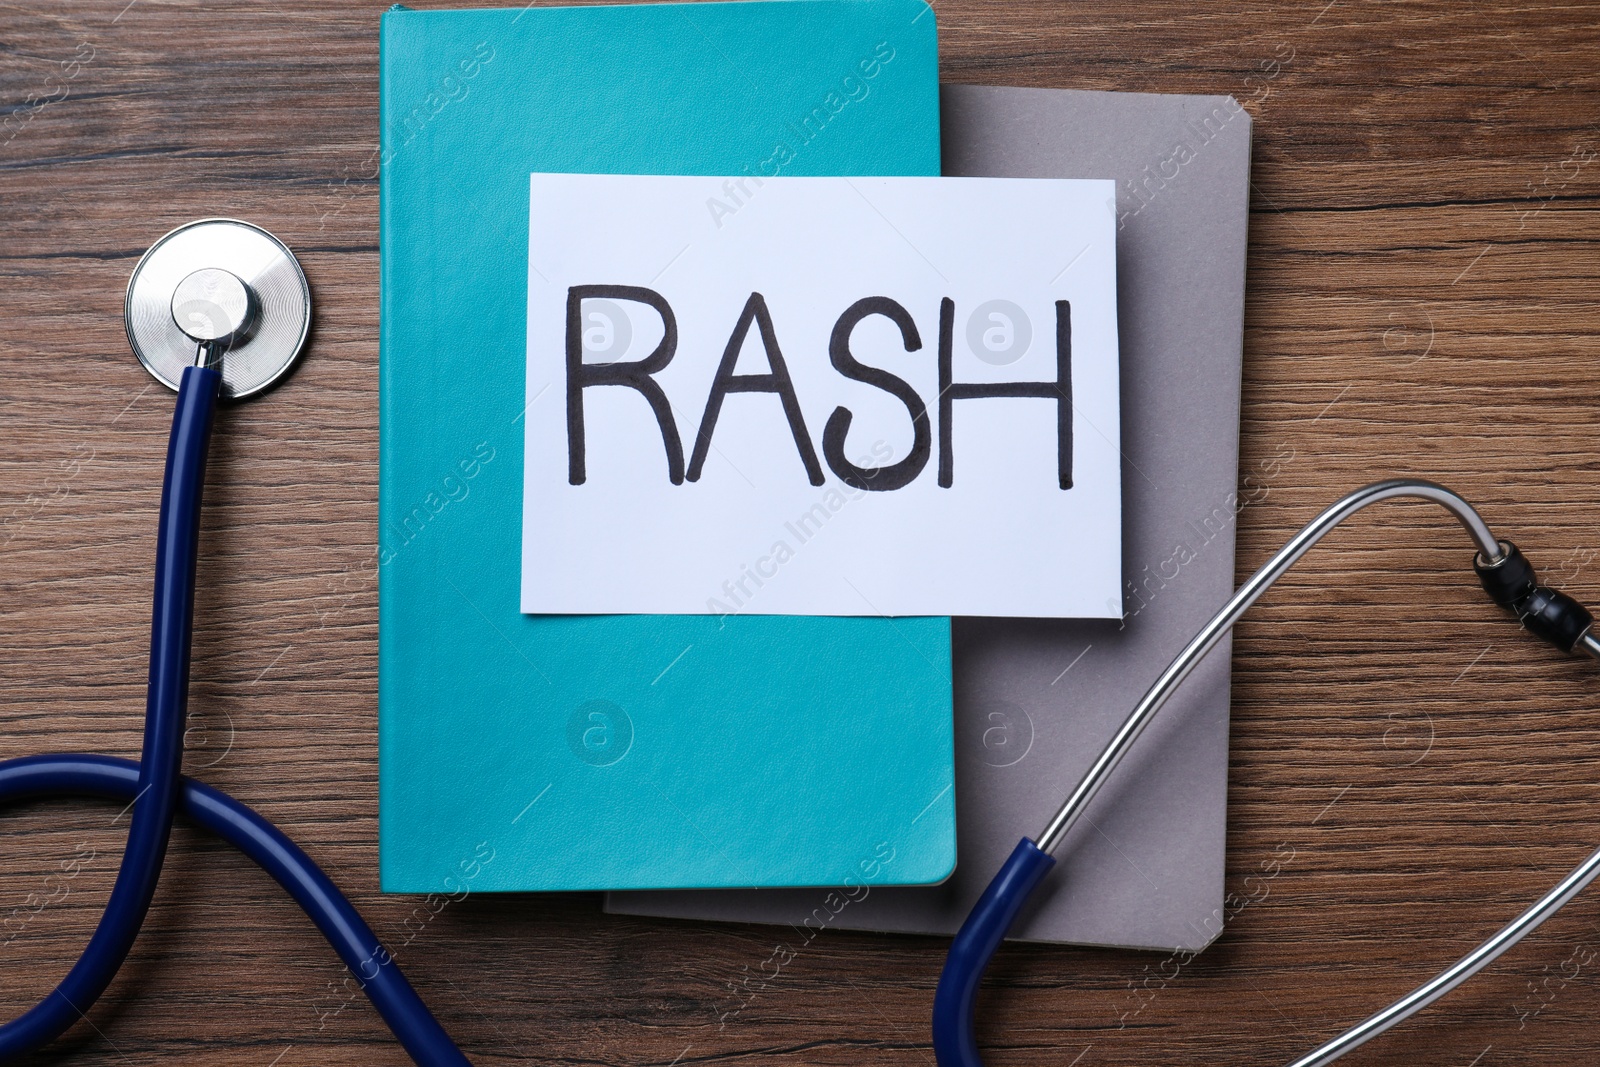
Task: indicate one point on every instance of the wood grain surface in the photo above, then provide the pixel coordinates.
(1408, 770)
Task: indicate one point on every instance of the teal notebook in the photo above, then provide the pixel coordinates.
(524, 752)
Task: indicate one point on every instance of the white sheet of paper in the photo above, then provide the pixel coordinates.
(816, 489)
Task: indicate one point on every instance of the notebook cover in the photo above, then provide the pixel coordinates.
(583, 752)
(1036, 701)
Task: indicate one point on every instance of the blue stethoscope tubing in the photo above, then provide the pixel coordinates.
(158, 792)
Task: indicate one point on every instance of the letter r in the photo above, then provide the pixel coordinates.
(633, 374)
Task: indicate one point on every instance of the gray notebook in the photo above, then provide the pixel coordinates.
(1035, 700)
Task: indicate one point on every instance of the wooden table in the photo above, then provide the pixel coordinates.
(1408, 771)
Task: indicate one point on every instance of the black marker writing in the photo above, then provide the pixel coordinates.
(1059, 390)
(776, 381)
(895, 475)
(634, 375)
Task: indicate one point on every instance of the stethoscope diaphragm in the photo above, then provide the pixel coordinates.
(223, 283)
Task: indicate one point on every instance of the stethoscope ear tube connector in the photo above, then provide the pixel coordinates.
(1548, 614)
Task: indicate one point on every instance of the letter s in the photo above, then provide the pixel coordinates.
(895, 475)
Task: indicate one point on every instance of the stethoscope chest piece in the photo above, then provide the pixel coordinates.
(225, 284)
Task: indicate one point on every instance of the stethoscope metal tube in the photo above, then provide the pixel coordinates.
(1203, 642)
(1461, 970)
(1509, 580)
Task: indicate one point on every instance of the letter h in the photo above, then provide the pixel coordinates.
(1059, 390)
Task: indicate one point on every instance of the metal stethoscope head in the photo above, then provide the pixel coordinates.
(219, 286)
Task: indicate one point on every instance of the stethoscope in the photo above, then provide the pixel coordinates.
(220, 309)
(1506, 576)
